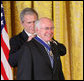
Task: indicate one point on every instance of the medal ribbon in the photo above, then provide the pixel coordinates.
(48, 49)
(42, 42)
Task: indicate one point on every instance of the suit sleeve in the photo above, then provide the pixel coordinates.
(24, 71)
(61, 48)
(14, 47)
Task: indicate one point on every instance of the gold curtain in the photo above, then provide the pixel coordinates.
(68, 22)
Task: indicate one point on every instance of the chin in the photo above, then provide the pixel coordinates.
(32, 32)
(48, 39)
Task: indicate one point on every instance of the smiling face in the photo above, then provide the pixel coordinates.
(29, 23)
(46, 29)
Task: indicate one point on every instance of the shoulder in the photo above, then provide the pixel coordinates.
(29, 43)
(16, 37)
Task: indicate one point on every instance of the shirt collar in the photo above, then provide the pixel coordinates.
(29, 34)
(43, 40)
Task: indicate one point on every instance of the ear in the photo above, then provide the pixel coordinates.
(21, 22)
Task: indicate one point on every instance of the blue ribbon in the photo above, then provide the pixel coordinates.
(47, 46)
(42, 42)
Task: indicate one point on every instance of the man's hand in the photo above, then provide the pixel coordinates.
(30, 37)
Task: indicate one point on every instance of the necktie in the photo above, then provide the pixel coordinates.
(48, 49)
(51, 57)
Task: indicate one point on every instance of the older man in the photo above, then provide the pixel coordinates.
(40, 58)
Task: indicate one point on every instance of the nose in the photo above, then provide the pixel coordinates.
(32, 24)
(50, 30)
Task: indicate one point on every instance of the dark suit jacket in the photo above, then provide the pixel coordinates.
(34, 63)
(15, 44)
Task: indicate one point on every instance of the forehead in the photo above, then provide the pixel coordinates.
(46, 24)
(30, 17)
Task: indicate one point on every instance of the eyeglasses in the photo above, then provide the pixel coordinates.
(47, 28)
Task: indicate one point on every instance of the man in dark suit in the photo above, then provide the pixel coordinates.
(39, 59)
(28, 16)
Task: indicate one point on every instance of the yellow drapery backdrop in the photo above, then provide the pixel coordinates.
(68, 22)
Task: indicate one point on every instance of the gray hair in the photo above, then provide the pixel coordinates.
(37, 24)
(28, 11)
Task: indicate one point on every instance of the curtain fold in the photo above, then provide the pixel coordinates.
(43, 8)
(7, 12)
(61, 33)
(68, 22)
(76, 39)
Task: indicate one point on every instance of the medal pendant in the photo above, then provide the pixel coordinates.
(51, 54)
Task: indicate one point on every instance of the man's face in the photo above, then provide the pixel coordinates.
(29, 23)
(46, 31)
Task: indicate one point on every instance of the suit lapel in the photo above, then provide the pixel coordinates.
(43, 52)
(55, 54)
(24, 36)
